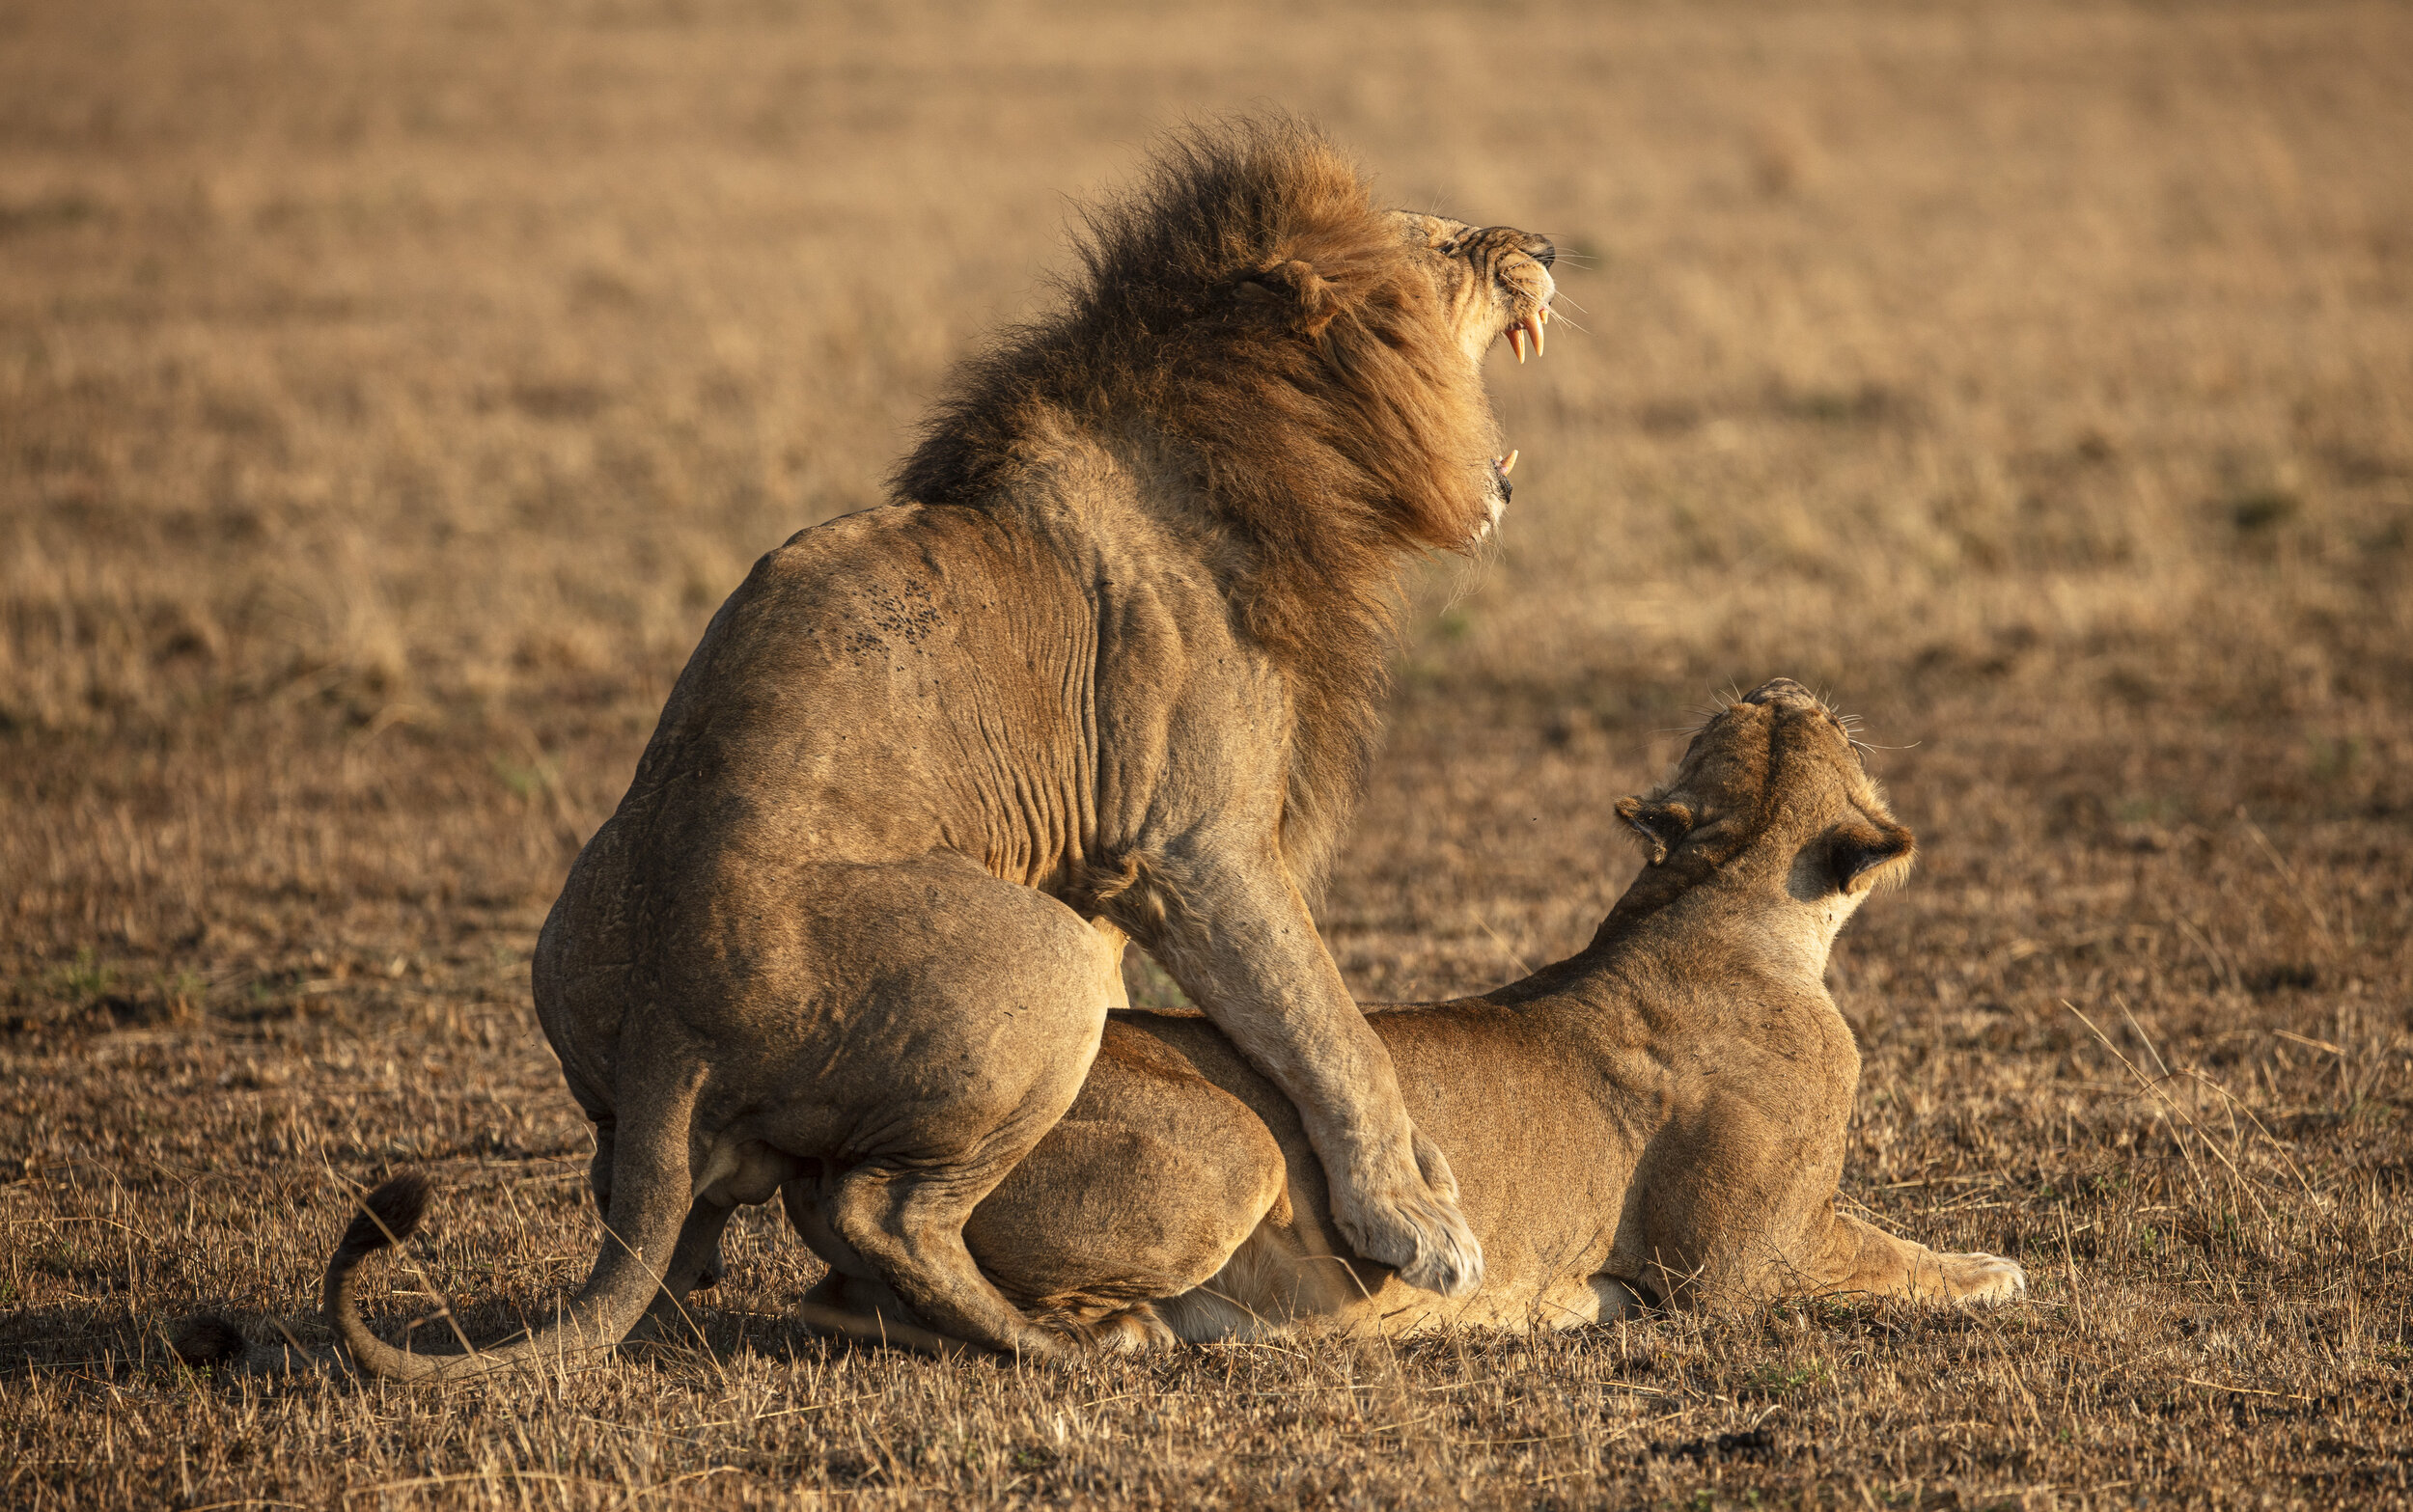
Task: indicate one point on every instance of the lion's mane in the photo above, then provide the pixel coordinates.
(1250, 321)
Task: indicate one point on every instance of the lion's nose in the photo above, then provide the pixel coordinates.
(1775, 688)
(1545, 253)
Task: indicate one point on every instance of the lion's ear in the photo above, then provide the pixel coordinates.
(1312, 298)
(1659, 824)
(1863, 853)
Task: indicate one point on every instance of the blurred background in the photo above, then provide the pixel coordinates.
(389, 392)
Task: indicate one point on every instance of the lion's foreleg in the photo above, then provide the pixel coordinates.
(1262, 973)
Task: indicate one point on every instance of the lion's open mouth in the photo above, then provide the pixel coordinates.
(1528, 329)
(1524, 329)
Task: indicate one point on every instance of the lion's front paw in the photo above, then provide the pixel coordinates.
(1420, 1235)
(1434, 1168)
(1982, 1280)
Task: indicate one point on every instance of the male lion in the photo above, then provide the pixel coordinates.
(1662, 1116)
(1116, 656)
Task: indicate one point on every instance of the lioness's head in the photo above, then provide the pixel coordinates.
(1771, 803)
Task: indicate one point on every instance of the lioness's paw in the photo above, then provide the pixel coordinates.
(1132, 1330)
(1982, 1280)
(1420, 1235)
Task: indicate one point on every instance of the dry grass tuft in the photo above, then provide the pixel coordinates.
(388, 393)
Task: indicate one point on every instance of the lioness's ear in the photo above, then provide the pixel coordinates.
(1659, 824)
(1861, 855)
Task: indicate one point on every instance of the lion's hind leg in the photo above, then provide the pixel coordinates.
(867, 1312)
(982, 1006)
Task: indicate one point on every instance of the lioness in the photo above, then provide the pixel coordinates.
(1661, 1116)
(1114, 656)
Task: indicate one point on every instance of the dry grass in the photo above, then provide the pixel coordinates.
(387, 393)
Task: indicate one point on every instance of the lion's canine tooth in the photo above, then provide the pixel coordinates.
(1506, 464)
(1537, 320)
(1516, 339)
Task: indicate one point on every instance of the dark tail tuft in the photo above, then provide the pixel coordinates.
(390, 1215)
(206, 1339)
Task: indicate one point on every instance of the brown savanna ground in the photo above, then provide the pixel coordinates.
(389, 392)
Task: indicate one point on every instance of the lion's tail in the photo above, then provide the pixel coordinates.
(388, 1216)
(640, 1245)
(625, 1279)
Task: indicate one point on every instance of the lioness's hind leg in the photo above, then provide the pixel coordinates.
(1983, 1279)
(1863, 1259)
(1127, 1331)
